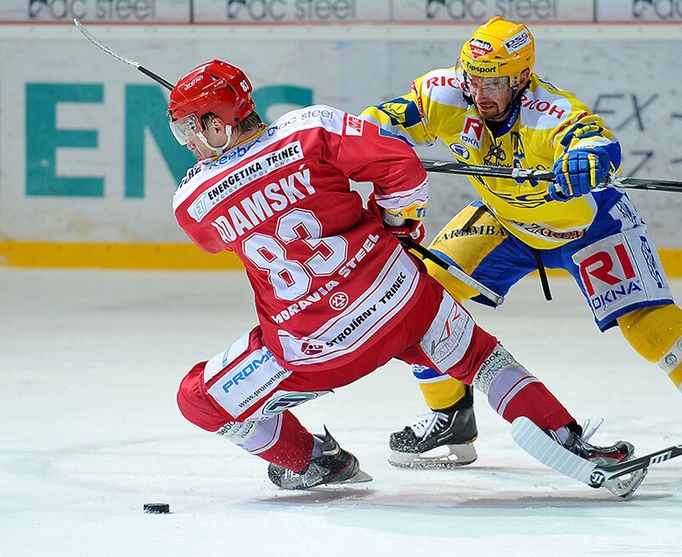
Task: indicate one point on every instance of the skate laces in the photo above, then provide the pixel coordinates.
(427, 422)
(590, 428)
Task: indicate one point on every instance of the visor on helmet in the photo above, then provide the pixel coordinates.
(490, 85)
(185, 129)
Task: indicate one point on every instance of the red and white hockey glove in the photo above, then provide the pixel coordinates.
(397, 226)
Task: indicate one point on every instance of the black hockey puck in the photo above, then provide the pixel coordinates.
(156, 508)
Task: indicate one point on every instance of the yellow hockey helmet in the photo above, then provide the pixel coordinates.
(499, 48)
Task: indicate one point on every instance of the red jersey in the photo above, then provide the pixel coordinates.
(328, 280)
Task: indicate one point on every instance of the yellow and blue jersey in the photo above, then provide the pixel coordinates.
(544, 123)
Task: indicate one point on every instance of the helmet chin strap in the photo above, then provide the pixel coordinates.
(220, 149)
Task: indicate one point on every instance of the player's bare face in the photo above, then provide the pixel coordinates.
(491, 95)
(214, 135)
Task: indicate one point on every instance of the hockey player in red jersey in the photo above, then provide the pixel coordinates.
(336, 294)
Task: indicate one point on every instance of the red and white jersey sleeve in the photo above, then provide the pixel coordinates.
(328, 280)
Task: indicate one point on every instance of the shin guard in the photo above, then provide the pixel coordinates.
(512, 392)
(281, 440)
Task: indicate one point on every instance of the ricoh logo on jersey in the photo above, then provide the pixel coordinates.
(545, 107)
(291, 10)
(107, 10)
(442, 81)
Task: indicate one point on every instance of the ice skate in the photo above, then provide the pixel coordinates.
(333, 466)
(438, 439)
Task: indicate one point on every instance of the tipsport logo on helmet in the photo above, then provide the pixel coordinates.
(480, 68)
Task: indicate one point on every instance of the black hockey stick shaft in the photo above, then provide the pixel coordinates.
(629, 466)
(454, 167)
(99, 44)
(167, 84)
(454, 271)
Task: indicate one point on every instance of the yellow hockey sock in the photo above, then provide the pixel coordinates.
(656, 334)
(443, 394)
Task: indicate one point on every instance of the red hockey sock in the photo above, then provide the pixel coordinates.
(515, 392)
(293, 446)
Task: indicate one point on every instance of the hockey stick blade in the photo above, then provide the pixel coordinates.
(640, 463)
(543, 448)
(453, 167)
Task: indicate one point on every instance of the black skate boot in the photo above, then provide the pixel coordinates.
(438, 439)
(620, 451)
(333, 466)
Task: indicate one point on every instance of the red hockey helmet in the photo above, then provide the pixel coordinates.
(214, 86)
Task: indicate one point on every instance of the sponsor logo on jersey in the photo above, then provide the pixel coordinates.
(256, 208)
(544, 231)
(651, 263)
(304, 302)
(545, 107)
(396, 110)
(608, 276)
(472, 132)
(280, 402)
(479, 47)
(460, 150)
(440, 81)
(251, 364)
(517, 42)
(243, 176)
(311, 348)
(338, 301)
(354, 125)
(355, 321)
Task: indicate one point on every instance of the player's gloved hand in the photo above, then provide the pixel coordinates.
(395, 225)
(577, 172)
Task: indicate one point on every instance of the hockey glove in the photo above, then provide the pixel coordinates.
(396, 225)
(577, 172)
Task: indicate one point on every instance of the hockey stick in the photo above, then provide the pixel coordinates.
(128, 61)
(453, 270)
(542, 447)
(453, 167)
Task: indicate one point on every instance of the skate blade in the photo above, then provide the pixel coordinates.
(625, 486)
(359, 477)
(456, 456)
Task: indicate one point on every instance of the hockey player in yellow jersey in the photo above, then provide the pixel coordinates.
(490, 108)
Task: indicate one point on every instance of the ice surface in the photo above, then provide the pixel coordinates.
(89, 365)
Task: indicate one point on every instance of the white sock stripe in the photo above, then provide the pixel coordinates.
(267, 437)
(513, 391)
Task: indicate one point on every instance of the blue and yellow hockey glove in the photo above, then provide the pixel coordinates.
(577, 172)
